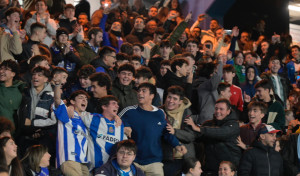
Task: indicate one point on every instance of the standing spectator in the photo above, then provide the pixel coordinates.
(251, 79)
(141, 119)
(293, 66)
(42, 16)
(138, 32)
(85, 23)
(90, 49)
(262, 158)
(98, 14)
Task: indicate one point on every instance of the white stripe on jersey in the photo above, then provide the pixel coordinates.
(104, 135)
(71, 137)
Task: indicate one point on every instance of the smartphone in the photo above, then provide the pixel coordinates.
(228, 32)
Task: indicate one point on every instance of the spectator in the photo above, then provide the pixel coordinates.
(151, 43)
(122, 164)
(192, 167)
(138, 49)
(9, 158)
(149, 155)
(123, 86)
(98, 14)
(251, 80)
(84, 22)
(262, 158)
(138, 32)
(293, 65)
(82, 7)
(90, 49)
(136, 62)
(226, 168)
(42, 16)
(224, 90)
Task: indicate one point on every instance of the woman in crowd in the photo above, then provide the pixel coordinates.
(8, 156)
(191, 167)
(227, 169)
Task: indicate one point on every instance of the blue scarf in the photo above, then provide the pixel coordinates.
(121, 172)
(44, 172)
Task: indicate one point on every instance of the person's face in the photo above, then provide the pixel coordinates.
(250, 74)
(97, 90)
(163, 69)
(165, 52)
(110, 59)
(6, 74)
(295, 52)
(111, 109)
(137, 50)
(45, 160)
(255, 115)
(277, 146)
(63, 77)
(293, 99)
(4, 4)
(225, 170)
(213, 24)
(125, 77)
(83, 20)
(10, 149)
(152, 12)
(38, 79)
(226, 93)
(144, 96)
(192, 48)
(183, 37)
(80, 103)
(228, 76)
(13, 18)
(239, 59)
(274, 66)
(123, 5)
(139, 24)
(221, 111)
(136, 64)
(197, 170)
(196, 32)
(249, 59)
(183, 70)
(41, 34)
(264, 47)
(125, 158)
(174, 4)
(85, 82)
(40, 7)
(69, 13)
(219, 33)
(98, 38)
(44, 63)
(63, 38)
(268, 139)
(172, 102)
(116, 26)
(140, 80)
(151, 26)
(262, 93)
(244, 37)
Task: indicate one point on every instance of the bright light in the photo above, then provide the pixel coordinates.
(294, 8)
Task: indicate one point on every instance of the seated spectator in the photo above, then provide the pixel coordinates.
(177, 110)
(63, 54)
(68, 20)
(138, 33)
(192, 46)
(6, 127)
(138, 49)
(251, 79)
(226, 168)
(42, 16)
(248, 132)
(262, 158)
(224, 90)
(105, 61)
(136, 61)
(219, 137)
(122, 164)
(89, 49)
(123, 85)
(191, 167)
(10, 91)
(8, 156)
(36, 162)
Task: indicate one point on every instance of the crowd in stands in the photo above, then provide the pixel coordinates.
(130, 90)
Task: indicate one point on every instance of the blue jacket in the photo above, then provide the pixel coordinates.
(291, 71)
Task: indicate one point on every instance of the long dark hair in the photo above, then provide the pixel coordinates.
(16, 168)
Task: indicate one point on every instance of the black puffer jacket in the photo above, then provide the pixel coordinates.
(219, 138)
(261, 160)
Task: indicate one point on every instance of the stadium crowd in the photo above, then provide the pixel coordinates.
(134, 91)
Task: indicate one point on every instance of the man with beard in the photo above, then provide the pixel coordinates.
(90, 49)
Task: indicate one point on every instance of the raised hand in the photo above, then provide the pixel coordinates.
(170, 129)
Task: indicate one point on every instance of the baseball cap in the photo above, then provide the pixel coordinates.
(267, 129)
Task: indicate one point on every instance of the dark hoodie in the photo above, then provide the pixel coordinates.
(247, 86)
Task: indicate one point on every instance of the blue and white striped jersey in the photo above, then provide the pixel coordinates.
(104, 134)
(72, 136)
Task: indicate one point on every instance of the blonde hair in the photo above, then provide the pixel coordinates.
(34, 155)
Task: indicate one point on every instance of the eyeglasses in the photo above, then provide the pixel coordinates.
(127, 153)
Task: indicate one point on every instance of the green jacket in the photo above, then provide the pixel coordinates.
(126, 94)
(11, 98)
(86, 53)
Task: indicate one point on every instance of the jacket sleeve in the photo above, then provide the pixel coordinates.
(245, 164)
(51, 27)
(175, 35)
(185, 135)
(214, 81)
(279, 120)
(222, 132)
(288, 153)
